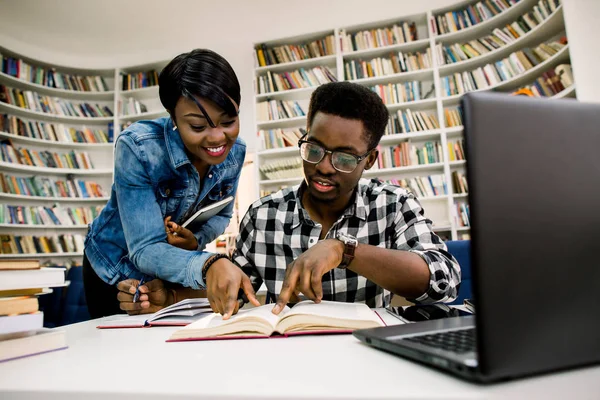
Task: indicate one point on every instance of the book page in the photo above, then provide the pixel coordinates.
(328, 315)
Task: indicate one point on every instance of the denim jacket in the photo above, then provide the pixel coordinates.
(153, 179)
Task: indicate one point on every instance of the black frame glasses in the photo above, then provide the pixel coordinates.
(358, 159)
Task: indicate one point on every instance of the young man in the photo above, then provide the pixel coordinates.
(336, 236)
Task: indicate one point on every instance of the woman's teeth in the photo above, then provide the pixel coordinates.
(214, 149)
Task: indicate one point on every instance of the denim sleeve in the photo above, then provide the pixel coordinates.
(143, 225)
(217, 224)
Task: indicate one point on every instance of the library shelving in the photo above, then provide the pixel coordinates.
(57, 130)
(421, 65)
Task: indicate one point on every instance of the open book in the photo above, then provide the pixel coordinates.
(178, 314)
(194, 223)
(304, 318)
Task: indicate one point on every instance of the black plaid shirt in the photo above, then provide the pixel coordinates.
(277, 229)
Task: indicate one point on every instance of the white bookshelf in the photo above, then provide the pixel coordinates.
(441, 208)
(100, 154)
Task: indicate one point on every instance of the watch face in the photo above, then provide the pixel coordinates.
(347, 239)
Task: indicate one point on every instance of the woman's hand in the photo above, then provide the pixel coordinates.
(180, 237)
(153, 296)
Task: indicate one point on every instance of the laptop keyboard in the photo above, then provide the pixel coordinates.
(460, 341)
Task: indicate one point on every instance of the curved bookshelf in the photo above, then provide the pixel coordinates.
(22, 197)
(54, 171)
(41, 255)
(141, 92)
(561, 56)
(308, 63)
(24, 112)
(146, 115)
(50, 91)
(549, 26)
(52, 143)
(33, 226)
(504, 17)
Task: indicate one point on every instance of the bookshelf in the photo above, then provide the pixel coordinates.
(117, 97)
(423, 90)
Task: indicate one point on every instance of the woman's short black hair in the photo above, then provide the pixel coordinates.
(199, 73)
(351, 101)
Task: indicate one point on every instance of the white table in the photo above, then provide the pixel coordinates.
(139, 364)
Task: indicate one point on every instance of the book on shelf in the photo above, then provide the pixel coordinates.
(406, 121)
(459, 182)
(50, 77)
(453, 116)
(139, 80)
(274, 110)
(403, 92)
(44, 159)
(54, 244)
(179, 314)
(131, 106)
(266, 55)
(31, 343)
(456, 151)
(423, 186)
(552, 81)
(50, 131)
(34, 101)
(282, 169)
(49, 216)
(398, 33)
(40, 186)
(298, 79)
(303, 318)
(382, 66)
(280, 138)
(405, 154)
(462, 214)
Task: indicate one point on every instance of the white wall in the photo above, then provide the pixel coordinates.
(110, 33)
(582, 19)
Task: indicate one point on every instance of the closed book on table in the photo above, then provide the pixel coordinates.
(34, 278)
(18, 305)
(32, 343)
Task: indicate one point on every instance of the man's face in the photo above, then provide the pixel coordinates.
(324, 183)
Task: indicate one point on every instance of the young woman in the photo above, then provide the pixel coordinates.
(165, 170)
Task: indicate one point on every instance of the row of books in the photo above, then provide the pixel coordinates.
(28, 244)
(381, 66)
(139, 80)
(131, 106)
(49, 216)
(52, 132)
(406, 154)
(48, 187)
(52, 105)
(403, 92)
(552, 81)
(490, 75)
(280, 138)
(301, 78)
(402, 32)
(405, 121)
(499, 38)
(21, 321)
(456, 150)
(282, 169)
(462, 215)
(278, 109)
(271, 190)
(47, 159)
(51, 77)
(423, 186)
(454, 21)
(265, 55)
(453, 116)
(459, 182)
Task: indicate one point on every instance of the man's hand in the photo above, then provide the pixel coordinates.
(179, 236)
(224, 279)
(304, 275)
(153, 296)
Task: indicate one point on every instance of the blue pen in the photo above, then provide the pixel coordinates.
(136, 296)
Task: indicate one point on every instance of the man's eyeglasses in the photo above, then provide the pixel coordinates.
(343, 162)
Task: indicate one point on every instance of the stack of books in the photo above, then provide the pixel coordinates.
(21, 323)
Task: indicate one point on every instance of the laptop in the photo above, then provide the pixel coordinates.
(533, 167)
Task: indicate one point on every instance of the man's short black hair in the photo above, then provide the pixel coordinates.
(351, 101)
(200, 73)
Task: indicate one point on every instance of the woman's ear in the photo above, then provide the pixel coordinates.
(371, 159)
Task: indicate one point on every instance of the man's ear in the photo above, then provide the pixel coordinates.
(372, 159)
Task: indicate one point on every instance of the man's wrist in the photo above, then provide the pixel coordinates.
(209, 264)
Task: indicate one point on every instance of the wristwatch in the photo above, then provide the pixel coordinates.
(350, 245)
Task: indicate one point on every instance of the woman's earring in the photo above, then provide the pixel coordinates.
(175, 128)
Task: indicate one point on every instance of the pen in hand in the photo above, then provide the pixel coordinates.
(136, 296)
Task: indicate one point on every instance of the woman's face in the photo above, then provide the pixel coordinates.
(206, 144)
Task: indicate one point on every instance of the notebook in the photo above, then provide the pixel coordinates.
(194, 223)
(178, 314)
(303, 318)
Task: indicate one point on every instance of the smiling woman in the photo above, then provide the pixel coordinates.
(165, 170)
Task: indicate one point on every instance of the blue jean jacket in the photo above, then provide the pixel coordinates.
(153, 179)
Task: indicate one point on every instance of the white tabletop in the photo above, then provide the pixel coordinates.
(139, 364)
